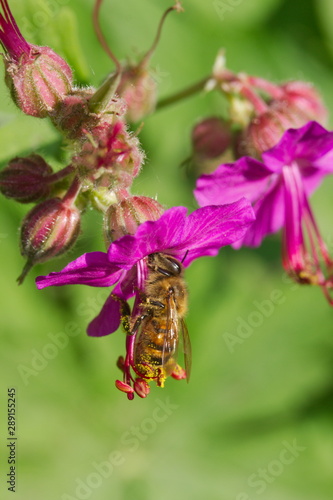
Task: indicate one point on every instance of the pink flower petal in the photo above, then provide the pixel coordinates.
(230, 182)
(92, 269)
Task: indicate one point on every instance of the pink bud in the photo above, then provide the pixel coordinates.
(137, 86)
(211, 141)
(74, 117)
(210, 138)
(141, 387)
(139, 90)
(37, 77)
(72, 114)
(126, 216)
(47, 231)
(26, 179)
(297, 104)
(38, 81)
(263, 133)
(304, 98)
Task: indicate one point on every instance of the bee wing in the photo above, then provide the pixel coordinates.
(170, 341)
(177, 331)
(187, 349)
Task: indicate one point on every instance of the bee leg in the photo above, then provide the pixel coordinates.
(138, 323)
(125, 313)
(129, 358)
(155, 303)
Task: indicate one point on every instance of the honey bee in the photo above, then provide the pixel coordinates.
(160, 327)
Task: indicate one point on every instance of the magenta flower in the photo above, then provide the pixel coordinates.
(184, 237)
(279, 188)
(181, 236)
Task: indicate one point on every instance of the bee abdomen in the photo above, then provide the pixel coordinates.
(155, 352)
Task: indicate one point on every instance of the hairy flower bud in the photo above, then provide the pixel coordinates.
(263, 133)
(73, 116)
(211, 139)
(125, 217)
(37, 77)
(139, 89)
(305, 100)
(47, 231)
(298, 104)
(38, 81)
(26, 179)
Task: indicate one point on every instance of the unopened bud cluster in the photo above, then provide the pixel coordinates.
(104, 156)
(298, 104)
(259, 113)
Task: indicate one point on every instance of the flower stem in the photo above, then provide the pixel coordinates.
(72, 192)
(25, 271)
(101, 37)
(152, 49)
(57, 176)
(183, 94)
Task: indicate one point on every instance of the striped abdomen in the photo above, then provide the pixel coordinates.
(154, 349)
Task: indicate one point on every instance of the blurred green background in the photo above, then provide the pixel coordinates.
(256, 419)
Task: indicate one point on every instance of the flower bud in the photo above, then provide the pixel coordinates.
(210, 138)
(109, 156)
(139, 89)
(141, 387)
(47, 231)
(297, 104)
(37, 77)
(125, 217)
(38, 81)
(304, 98)
(26, 179)
(73, 115)
(263, 133)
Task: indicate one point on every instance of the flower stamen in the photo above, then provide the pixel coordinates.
(305, 256)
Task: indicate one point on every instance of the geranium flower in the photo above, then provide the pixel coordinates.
(184, 237)
(279, 187)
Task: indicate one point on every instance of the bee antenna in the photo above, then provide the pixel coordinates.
(186, 254)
